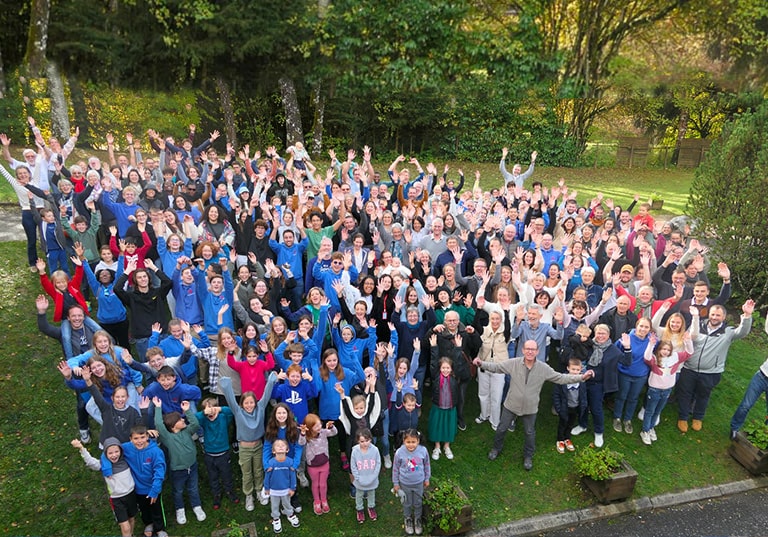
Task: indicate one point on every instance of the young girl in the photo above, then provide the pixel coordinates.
(314, 439)
(445, 392)
(360, 411)
(280, 484)
(664, 364)
(249, 421)
(252, 370)
(282, 426)
(411, 472)
(61, 289)
(118, 418)
(366, 465)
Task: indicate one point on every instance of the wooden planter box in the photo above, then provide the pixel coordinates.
(464, 519)
(616, 488)
(656, 205)
(755, 460)
(250, 527)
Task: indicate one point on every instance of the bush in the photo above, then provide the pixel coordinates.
(727, 202)
(597, 464)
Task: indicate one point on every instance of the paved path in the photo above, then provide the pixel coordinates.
(10, 223)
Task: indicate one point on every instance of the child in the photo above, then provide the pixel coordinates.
(282, 426)
(445, 393)
(120, 483)
(359, 412)
(111, 312)
(117, 418)
(580, 342)
(252, 371)
(249, 421)
(570, 402)
(366, 465)
(156, 360)
(215, 421)
(171, 392)
(411, 472)
(664, 367)
(314, 438)
(296, 392)
(84, 233)
(280, 484)
(147, 463)
(176, 436)
(52, 238)
(405, 413)
(61, 289)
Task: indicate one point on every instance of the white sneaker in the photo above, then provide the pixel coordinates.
(641, 414)
(436, 454)
(162, 533)
(85, 436)
(249, 502)
(598, 440)
(263, 498)
(181, 516)
(645, 437)
(652, 433)
(277, 527)
(480, 420)
(294, 520)
(303, 481)
(199, 513)
(576, 431)
(387, 461)
(448, 453)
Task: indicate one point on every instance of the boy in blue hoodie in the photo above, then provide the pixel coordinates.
(147, 463)
(170, 391)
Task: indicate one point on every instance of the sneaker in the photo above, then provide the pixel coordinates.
(528, 464)
(326, 507)
(511, 428)
(216, 503)
(294, 520)
(641, 414)
(617, 424)
(628, 427)
(409, 526)
(181, 516)
(263, 498)
(599, 441)
(569, 445)
(199, 513)
(560, 446)
(149, 529)
(462, 426)
(249, 502)
(576, 431)
(235, 447)
(645, 437)
(448, 453)
(652, 434)
(732, 435)
(85, 436)
(479, 420)
(297, 507)
(682, 425)
(387, 461)
(277, 527)
(360, 516)
(436, 454)
(318, 508)
(417, 526)
(493, 454)
(372, 513)
(696, 425)
(303, 481)
(162, 533)
(344, 462)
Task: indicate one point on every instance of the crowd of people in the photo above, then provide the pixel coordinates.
(255, 304)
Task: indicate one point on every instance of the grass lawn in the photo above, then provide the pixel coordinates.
(47, 491)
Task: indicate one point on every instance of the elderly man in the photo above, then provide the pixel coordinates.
(533, 329)
(527, 377)
(702, 372)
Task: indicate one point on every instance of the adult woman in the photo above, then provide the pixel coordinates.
(23, 177)
(214, 228)
(384, 306)
(633, 374)
(182, 208)
(214, 359)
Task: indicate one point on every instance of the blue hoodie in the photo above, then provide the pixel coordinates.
(147, 466)
(172, 398)
(111, 309)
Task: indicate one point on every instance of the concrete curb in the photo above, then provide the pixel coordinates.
(565, 519)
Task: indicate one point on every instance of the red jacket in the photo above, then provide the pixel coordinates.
(73, 288)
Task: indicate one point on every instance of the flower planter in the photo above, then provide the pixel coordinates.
(248, 530)
(464, 518)
(618, 487)
(755, 460)
(656, 205)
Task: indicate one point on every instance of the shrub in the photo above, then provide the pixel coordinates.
(757, 433)
(597, 464)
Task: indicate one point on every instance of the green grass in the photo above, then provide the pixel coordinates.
(47, 491)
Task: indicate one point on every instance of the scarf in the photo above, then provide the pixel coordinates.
(597, 352)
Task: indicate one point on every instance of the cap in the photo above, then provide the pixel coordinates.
(310, 195)
(151, 186)
(628, 268)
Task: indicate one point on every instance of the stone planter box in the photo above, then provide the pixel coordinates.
(618, 487)
(755, 460)
(464, 518)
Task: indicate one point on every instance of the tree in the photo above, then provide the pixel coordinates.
(727, 202)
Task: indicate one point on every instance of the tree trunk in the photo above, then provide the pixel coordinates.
(318, 102)
(293, 130)
(80, 111)
(682, 129)
(59, 106)
(37, 39)
(225, 99)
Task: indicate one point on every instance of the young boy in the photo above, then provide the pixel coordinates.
(570, 402)
(176, 436)
(80, 231)
(280, 485)
(147, 463)
(52, 239)
(215, 421)
(171, 392)
(156, 360)
(297, 391)
(405, 413)
(366, 465)
(119, 479)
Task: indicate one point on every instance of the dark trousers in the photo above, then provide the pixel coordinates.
(30, 230)
(529, 427)
(119, 332)
(595, 405)
(460, 402)
(220, 473)
(564, 425)
(693, 391)
(151, 513)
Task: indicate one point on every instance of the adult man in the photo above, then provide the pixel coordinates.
(434, 243)
(702, 372)
(527, 376)
(515, 177)
(619, 319)
(533, 329)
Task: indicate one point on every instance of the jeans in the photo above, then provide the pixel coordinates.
(627, 396)
(595, 393)
(141, 344)
(693, 391)
(529, 426)
(185, 479)
(30, 230)
(66, 333)
(655, 401)
(360, 495)
(757, 386)
(57, 260)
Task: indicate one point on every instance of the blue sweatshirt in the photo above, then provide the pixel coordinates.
(129, 375)
(329, 401)
(111, 309)
(172, 398)
(279, 476)
(147, 466)
(293, 256)
(294, 449)
(411, 468)
(351, 352)
(167, 258)
(637, 367)
(297, 397)
(310, 361)
(212, 304)
(188, 304)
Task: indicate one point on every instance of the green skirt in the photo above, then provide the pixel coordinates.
(442, 424)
